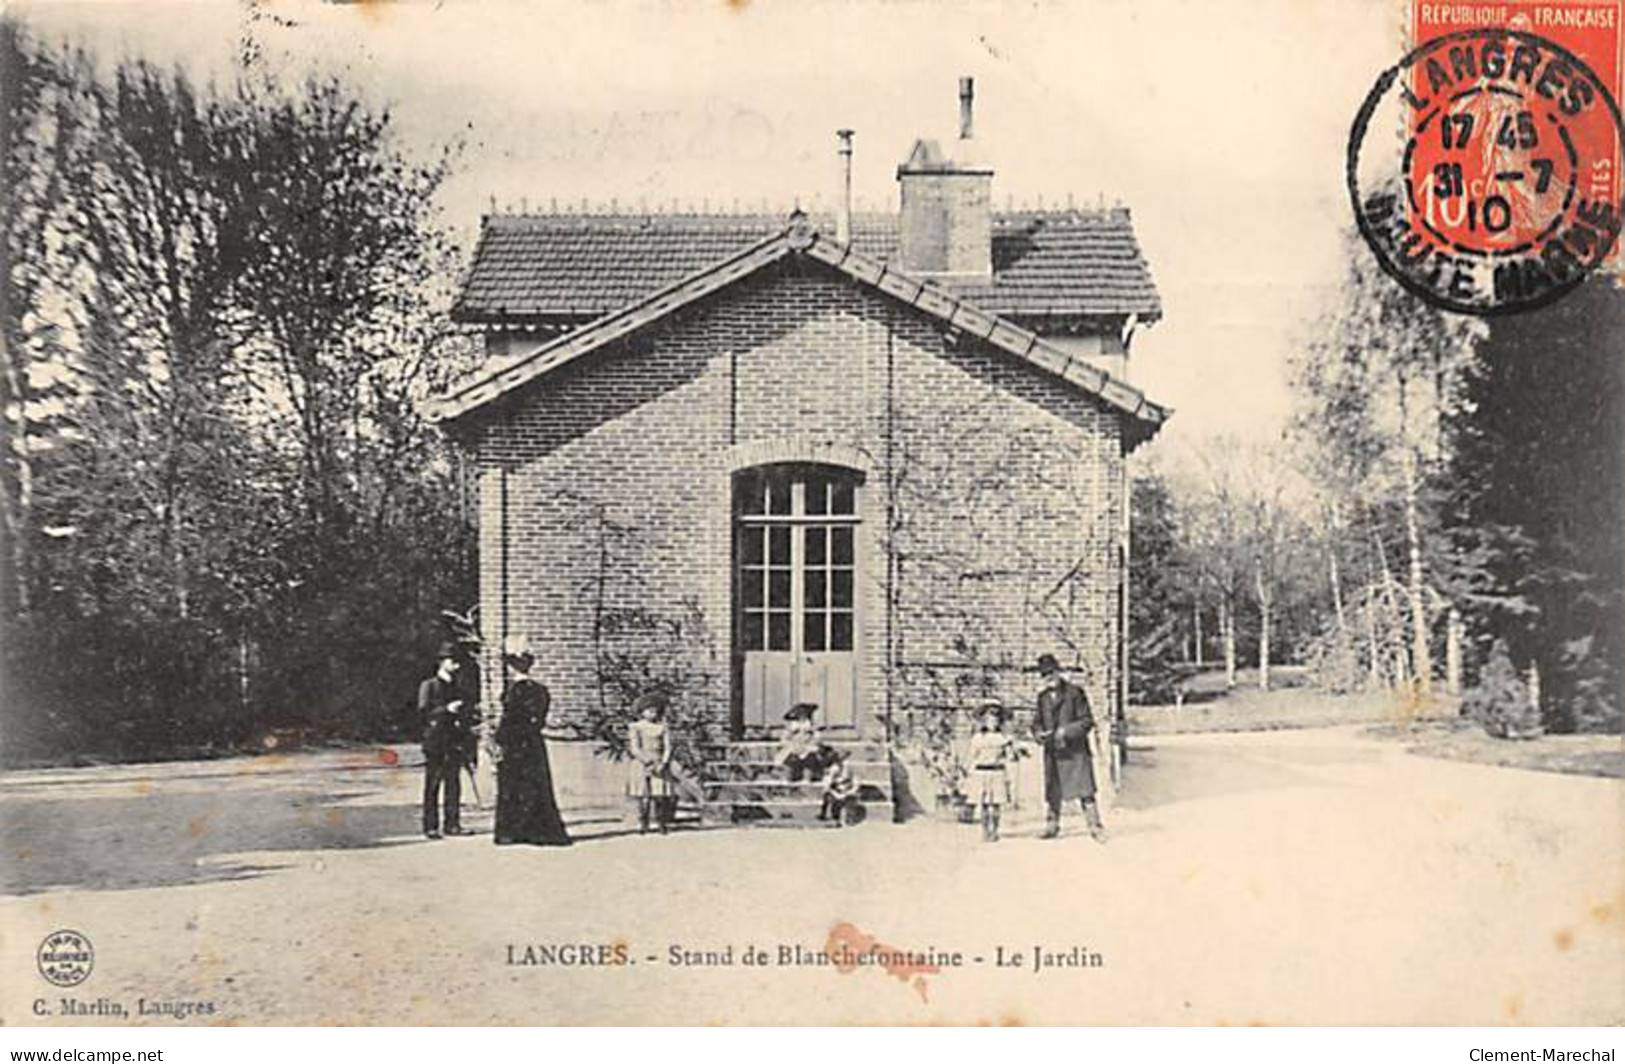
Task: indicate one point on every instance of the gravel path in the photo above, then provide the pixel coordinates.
(1287, 877)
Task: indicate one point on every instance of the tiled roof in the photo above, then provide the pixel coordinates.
(502, 376)
(577, 267)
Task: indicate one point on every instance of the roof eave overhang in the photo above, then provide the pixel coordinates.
(498, 379)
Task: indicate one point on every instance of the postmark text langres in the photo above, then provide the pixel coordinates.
(1500, 193)
(1037, 959)
(1511, 1056)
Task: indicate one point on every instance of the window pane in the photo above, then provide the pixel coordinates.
(778, 496)
(750, 495)
(841, 591)
(780, 539)
(814, 590)
(840, 631)
(778, 588)
(817, 495)
(815, 546)
(778, 631)
(750, 630)
(752, 544)
(750, 586)
(840, 545)
(843, 499)
(812, 631)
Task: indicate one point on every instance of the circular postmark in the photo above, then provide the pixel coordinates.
(1482, 170)
(65, 958)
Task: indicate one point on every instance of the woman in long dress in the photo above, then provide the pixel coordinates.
(526, 809)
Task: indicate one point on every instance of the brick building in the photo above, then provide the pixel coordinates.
(872, 462)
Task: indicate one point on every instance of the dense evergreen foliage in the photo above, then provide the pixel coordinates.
(1538, 479)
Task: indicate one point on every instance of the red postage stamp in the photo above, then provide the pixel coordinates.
(1501, 190)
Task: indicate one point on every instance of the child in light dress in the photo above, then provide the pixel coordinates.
(648, 741)
(991, 751)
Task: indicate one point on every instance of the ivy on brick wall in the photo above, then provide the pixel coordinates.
(997, 543)
(640, 646)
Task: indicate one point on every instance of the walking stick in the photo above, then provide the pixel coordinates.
(470, 757)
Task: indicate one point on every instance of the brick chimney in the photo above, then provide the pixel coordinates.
(947, 218)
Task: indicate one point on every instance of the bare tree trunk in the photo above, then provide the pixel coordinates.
(15, 512)
(1452, 652)
(242, 673)
(1371, 642)
(1196, 623)
(1263, 630)
(1421, 654)
(1334, 525)
(1227, 626)
(1394, 647)
(1337, 593)
(16, 508)
(1396, 641)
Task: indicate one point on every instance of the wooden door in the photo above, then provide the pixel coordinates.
(796, 571)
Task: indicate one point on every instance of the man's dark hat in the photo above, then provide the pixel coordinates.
(801, 711)
(448, 650)
(1047, 664)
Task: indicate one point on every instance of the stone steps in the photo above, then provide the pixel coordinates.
(779, 790)
(764, 750)
(785, 814)
(745, 785)
(863, 771)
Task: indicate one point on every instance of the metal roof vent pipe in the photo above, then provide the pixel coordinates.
(843, 203)
(967, 99)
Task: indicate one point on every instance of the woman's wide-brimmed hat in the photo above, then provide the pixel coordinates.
(801, 711)
(517, 648)
(995, 709)
(647, 700)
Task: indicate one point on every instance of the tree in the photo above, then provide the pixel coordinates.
(221, 309)
(42, 143)
(1159, 592)
(1272, 530)
(340, 256)
(1212, 517)
(1538, 486)
(345, 275)
(1377, 379)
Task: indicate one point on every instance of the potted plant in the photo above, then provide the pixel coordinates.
(940, 756)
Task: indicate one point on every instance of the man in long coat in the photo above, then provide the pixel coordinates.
(1062, 725)
(444, 739)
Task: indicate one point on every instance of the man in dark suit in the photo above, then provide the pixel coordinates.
(1062, 725)
(442, 709)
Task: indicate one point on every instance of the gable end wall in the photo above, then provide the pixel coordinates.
(992, 508)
